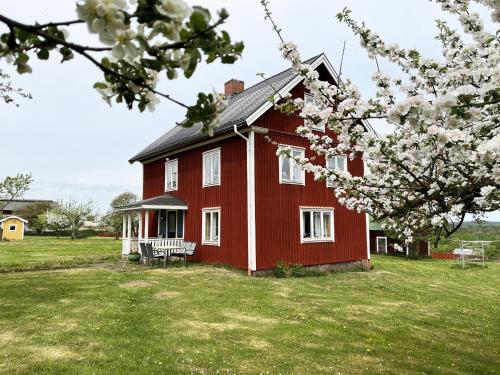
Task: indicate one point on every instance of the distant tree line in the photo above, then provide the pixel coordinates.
(62, 217)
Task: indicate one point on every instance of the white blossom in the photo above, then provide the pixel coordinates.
(443, 159)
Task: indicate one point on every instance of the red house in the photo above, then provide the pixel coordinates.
(236, 199)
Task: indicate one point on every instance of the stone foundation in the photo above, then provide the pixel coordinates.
(363, 264)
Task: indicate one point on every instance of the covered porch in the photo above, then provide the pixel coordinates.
(159, 221)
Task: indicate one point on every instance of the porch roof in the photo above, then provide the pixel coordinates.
(163, 202)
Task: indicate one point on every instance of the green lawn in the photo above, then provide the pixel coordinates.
(403, 317)
(51, 252)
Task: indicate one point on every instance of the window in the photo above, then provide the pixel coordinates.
(171, 175)
(211, 168)
(12, 228)
(311, 99)
(171, 224)
(382, 245)
(336, 163)
(290, 172)
(211, 226)
(316, 225)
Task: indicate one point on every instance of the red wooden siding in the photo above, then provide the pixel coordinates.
(277, 205)
(230, 196)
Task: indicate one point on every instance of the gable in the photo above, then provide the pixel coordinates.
(321, 62)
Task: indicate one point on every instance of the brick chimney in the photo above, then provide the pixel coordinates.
(233, 86)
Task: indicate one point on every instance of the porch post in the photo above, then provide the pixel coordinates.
(139, 233)
(129, 232)
(146, 225)
(124, 235)
(124, 228)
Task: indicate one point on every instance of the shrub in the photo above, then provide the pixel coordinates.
(280, 270)
(297, 270)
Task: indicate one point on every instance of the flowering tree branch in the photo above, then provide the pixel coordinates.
(141, 40)
(442, 161)
(6, 90)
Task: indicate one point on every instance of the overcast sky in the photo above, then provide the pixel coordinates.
(76, 146)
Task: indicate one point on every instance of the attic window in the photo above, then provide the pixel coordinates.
(12, 228)
(311, 99)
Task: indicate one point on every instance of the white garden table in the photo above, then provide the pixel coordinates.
(167, 250)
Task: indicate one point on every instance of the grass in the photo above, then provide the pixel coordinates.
(36, 253)
(403, 317)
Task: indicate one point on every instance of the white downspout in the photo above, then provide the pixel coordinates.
(250, 141)
(367, 217)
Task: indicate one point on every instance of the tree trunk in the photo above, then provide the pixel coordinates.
(413, 251)
(73, 234)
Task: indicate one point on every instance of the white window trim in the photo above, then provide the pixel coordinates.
(376, 243)
(315, 128)
(280, 166)
(13, 225)
(203, 212)
(168, 188)
(210, 152)
(316, 209)
(328, 182)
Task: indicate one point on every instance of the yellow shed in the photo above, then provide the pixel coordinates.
(12, 228)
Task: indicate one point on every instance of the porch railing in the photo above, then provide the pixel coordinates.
(132, 244)
(129, 245)
(156, 242)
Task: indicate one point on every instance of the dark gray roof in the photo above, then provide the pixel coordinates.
(240, 106)
(162, 200)
(19, 204)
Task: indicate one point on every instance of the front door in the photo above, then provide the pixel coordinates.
(171, 224)
(162, 224)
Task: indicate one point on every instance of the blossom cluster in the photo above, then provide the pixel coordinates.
(443, 159)
(142, 40)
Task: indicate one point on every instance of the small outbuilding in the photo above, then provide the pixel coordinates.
(382, 243)
(12, 228)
